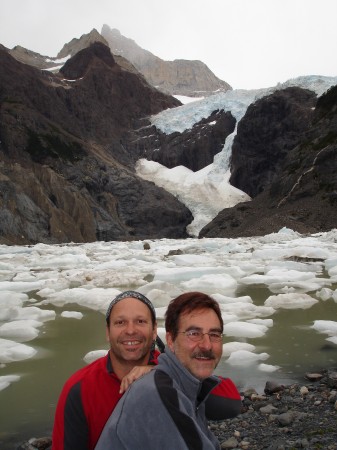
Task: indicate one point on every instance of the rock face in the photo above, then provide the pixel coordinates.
(178, 77)
(64, 173)
(68, 50)
(194, 148)
(76, 45)
(47, 62)
(285, 157)
(32, 58)
(270, 128)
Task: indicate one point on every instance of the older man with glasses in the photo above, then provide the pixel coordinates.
(165, 409)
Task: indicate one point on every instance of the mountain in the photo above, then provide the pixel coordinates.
(76, 45)
(68, 50)
(65, 174)
(178, 77)
(71, 139)
(32, 58)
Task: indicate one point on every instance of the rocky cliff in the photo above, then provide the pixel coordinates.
(285, 157)
(78, 44)
(64, 173)
(68, 50)
(194, 148)
(32, 58)
(270, 129)
(178, 77)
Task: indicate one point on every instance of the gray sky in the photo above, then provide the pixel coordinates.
(248, 43)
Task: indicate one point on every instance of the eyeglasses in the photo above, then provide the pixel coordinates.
(197, 336)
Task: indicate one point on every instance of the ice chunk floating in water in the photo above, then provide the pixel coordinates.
(12, 351)
(6, 380)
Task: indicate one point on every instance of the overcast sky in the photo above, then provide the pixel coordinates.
(248, 43)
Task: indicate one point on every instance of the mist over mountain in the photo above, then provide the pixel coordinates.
(72, 136)
(178, 77)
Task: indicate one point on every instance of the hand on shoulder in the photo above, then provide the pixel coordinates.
(133, 375)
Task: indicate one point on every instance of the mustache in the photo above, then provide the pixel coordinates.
(205, 354)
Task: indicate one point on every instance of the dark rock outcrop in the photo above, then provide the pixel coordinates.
(295, 172)
(178, 77)
(194, 148)
(271, 127)
(64, 173)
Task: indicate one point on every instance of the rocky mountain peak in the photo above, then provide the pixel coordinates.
(31, 58)
(75, 45)
(77, 66)
(120, 45)
(178, 77)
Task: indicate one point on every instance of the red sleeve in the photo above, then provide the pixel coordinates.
(224, 402)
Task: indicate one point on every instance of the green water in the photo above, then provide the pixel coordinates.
(27, 406)
(290, 342)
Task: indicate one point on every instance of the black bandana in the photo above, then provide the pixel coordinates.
(132, 294)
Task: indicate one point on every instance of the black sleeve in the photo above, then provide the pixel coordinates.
(76, 432)
(224, 402)
(220, 408)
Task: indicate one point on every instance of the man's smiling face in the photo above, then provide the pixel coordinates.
(130, 332)
(202, 357)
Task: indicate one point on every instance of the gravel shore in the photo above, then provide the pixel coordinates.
(299, 416)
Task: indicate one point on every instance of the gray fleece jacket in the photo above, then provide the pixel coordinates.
(163, 410)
